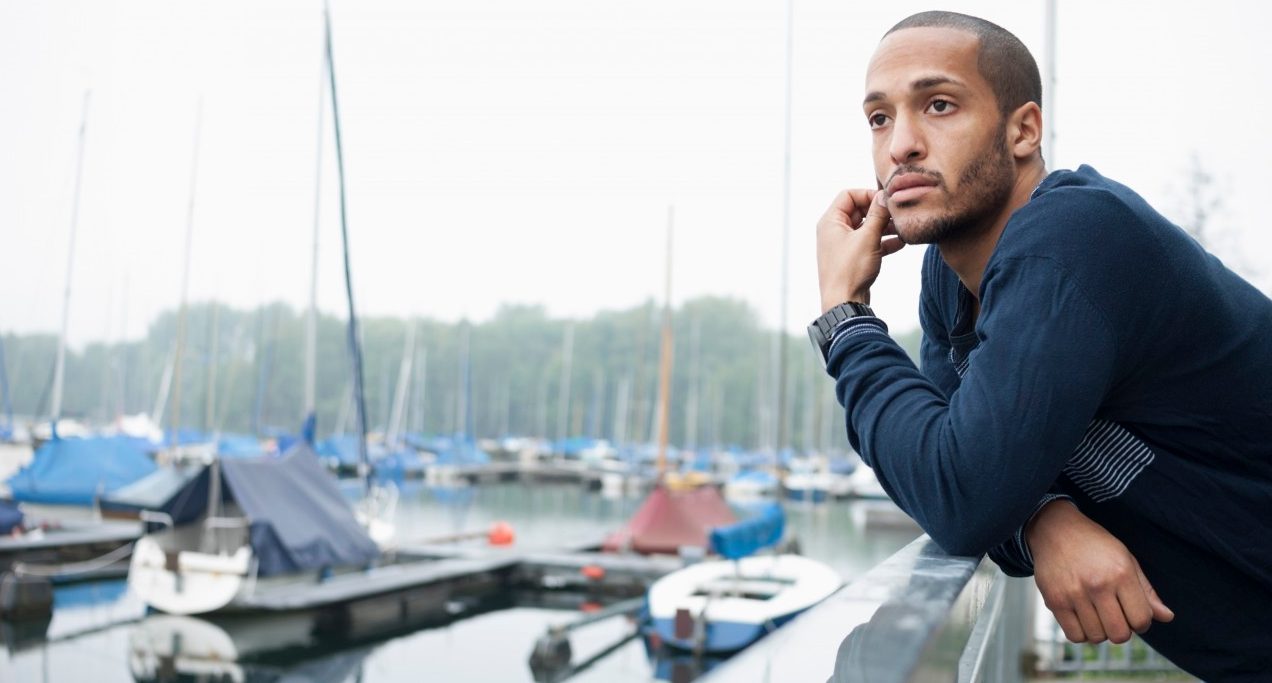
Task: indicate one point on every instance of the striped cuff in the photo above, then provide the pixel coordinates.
(1017, 545)
(852, 327)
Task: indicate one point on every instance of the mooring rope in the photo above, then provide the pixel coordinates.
(83, 567)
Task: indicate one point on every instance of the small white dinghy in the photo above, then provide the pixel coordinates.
(725, 605)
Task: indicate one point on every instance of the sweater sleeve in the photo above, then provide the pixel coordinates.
(971, 467)
(934, 347)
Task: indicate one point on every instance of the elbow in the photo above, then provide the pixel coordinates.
(967, 535)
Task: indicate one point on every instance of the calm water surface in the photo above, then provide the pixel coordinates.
(95, 626)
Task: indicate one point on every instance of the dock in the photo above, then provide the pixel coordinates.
(72, 553)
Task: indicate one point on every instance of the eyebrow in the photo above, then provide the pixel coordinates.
(924, 83)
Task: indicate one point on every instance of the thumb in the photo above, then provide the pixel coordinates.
(877, 217)
(1161, 612)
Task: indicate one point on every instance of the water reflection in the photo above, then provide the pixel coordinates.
(168, 649)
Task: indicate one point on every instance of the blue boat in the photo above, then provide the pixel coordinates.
(78, 472)
(725, 605)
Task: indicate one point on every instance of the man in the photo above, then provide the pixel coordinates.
(1095, 400)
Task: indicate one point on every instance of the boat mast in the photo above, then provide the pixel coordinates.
(664, 356)
(59, 369)
(6, 431)
(355, 350)
(786, 240)
(403, 383)
(563, 399)
(185, 279)
(311, 321)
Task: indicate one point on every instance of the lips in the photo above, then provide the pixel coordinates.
(909, 181)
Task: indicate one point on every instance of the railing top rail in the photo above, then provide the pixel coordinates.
(877, 628)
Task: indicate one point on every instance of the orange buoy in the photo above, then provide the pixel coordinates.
(501, 534)
(593, 571)
(590, 607)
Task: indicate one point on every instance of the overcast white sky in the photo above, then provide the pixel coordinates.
(515, 151)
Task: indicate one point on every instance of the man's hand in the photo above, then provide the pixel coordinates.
(1088, 578)
(851, 246)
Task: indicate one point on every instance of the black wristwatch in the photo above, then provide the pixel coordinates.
(820, 329)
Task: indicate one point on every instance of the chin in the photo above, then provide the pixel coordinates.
(923, 228)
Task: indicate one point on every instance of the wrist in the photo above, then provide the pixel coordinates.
(1047, 521)
(830, 301)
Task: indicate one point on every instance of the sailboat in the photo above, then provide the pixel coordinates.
(242, 528)
(671, 517)
(243, 525)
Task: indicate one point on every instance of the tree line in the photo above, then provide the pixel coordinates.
(520, 373)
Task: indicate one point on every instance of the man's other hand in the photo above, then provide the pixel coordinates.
(851, 246)
(1088, 578)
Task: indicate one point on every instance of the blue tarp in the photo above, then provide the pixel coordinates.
(158, 491)
(239, 446)
(573, 446)
(761, 531)
(76, 471)
(462, 451)
(760, 477)
(298, 519)
(342, 448)
(10, 517)
(398, 466)
(185, 437)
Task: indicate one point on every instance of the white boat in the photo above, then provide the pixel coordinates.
(244, 525)
(725, 605)
(866, 485)
(751, 485)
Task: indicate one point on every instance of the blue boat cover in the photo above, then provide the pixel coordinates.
(239, 446)
(76, 471)
(761, 531)
(298, 519)
(343, 448)
(10, 517)
(462, 451)
(158, 491)
(397, 466)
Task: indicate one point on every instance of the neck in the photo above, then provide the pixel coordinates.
(969, 252)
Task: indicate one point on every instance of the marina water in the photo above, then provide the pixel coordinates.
(97, 629)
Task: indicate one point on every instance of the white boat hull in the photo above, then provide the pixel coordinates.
(730, 605)
(199, 583)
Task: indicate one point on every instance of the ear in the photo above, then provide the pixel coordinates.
(1024, 130)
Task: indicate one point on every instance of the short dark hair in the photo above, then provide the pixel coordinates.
(1004, 61)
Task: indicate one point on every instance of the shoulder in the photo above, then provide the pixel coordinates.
(1080, 210)
(1085, 223)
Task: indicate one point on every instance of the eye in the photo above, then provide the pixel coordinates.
(877, 120)
(941, 107)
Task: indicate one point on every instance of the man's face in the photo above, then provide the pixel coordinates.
(940, 151)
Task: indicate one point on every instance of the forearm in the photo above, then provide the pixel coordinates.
(970, 469)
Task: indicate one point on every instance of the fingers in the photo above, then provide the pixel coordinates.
(877, 217)
(891, 245)
(849, 206)
(1068, 620)
(1112, 618)
(1090, 620)
(1135, 605)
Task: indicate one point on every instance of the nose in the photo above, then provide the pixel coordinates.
(906, 144)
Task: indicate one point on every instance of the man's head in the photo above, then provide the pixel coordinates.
(954, 106)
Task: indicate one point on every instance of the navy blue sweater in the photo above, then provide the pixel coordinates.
(1114, 361)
